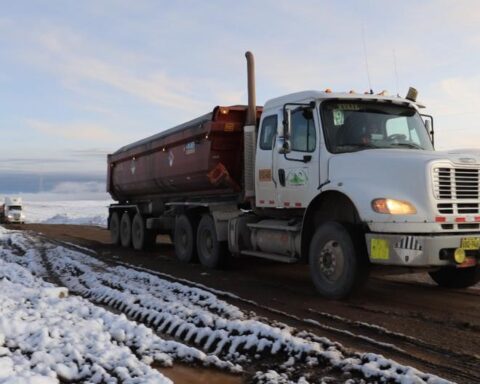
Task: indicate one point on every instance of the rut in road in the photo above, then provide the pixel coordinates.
(197, 316)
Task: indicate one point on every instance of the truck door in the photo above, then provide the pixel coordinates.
(265, 183)
(297, 172)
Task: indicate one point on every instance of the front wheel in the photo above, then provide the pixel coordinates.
(451, 277)
(335, 259)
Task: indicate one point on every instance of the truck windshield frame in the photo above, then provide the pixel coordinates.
(354, 125)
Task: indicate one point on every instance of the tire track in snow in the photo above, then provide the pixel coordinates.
(168, 327)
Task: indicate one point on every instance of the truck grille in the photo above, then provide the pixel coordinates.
(458, 190)
(456, 183)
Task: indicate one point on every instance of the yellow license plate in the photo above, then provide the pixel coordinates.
(470, 243)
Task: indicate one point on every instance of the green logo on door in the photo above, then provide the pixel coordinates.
(297, 178)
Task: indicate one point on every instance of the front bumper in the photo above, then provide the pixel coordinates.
(416, 250)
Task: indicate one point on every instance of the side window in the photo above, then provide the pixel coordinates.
(269, 129)
(304, 136)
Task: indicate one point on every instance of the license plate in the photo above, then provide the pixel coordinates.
(470, 243)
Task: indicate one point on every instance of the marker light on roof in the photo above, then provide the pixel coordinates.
(328, 90)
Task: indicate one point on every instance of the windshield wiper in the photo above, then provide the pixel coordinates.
(408, 145)
(358, 146)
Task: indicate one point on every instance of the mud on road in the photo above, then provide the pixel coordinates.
(406, 319)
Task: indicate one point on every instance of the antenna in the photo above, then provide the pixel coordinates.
(396, 72)
(366, 58)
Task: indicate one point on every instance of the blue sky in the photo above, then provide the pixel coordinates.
(78, 79)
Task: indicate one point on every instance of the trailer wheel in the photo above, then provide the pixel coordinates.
(126, 230)
(335, 261)
(451, 277)
(211, 252)
(142, 238)
(184, 239)
(115, 228)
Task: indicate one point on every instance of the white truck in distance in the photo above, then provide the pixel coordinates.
(11, 211)
(342, 181)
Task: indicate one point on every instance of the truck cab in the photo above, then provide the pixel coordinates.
(12, 211)
(363, 168)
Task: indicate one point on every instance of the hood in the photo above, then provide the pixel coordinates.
(402, 174)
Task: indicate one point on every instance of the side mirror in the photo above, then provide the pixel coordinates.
(428, 119)
(428, 126)
(287, 131)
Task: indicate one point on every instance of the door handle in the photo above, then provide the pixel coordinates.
(281, 177)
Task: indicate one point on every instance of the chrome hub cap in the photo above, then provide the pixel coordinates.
(331, 260)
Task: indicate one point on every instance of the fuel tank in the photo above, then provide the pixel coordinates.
(202, 157)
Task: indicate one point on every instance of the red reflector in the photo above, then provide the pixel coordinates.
(298, 204)
(469, 262)
(477, 218)
(460, 220)
(262, 201)
(440, 219)
(271, 202)
(286, 203)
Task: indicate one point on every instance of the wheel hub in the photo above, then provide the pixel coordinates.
(328, 258)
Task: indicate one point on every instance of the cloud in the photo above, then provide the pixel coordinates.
(73, 131)
(72, 187)
(67, 54)
(91, 152)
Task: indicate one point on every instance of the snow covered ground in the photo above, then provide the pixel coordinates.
(85, 212)
(48, 338)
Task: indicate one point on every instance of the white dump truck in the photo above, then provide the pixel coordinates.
(11, 211)
(342, 181)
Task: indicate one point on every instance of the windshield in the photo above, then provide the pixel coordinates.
(355, 125)
(15, 207)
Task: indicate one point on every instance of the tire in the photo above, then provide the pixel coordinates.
(115, 228)
(126, 230)
(451, 277)
(211, 252)
(142, 238)
(337, 265)
(184, 240)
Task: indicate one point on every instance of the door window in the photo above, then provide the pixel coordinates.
(303, 137)
(269, 129)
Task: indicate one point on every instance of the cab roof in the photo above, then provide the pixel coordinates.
(307, 96)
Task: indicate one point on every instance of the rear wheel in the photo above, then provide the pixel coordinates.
(335, 266)
(211, 252)
(115, 228)
(142, 238)
(126, 230)
(184, 239)
(451, 277)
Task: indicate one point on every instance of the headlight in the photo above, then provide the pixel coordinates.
(393, 207)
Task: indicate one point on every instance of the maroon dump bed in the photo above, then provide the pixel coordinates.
(199, 158)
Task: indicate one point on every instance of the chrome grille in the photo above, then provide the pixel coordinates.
(458, 208)
(456, 183)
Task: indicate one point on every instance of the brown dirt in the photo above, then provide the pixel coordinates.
(411, 321)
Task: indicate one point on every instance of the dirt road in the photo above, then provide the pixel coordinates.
(413, 322)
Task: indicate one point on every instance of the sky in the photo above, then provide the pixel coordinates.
(79, 79)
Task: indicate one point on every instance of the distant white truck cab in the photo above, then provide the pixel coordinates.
(11, 211)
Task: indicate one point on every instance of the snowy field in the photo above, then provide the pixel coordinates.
(84, 212)
(68, 317)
